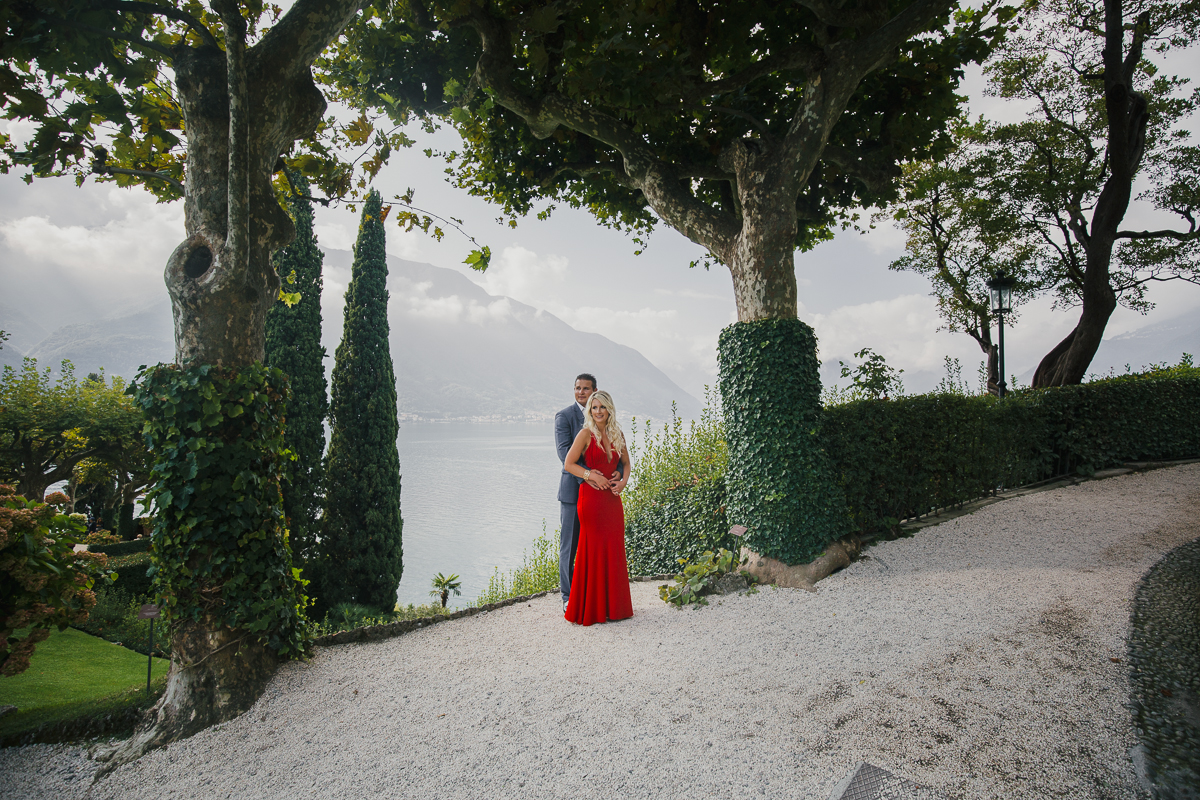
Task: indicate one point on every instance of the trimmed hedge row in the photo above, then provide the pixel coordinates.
(122, 548)
(903, 458)
(132, 575)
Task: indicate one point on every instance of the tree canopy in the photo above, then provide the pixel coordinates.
(702, 116)
(48, 427)
(1045, 197)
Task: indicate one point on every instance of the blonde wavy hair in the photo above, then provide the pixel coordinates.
(615, 437)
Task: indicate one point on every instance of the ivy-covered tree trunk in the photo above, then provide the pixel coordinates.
(294, 346)
(243, 109)
(362, 528)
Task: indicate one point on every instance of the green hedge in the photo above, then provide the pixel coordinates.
(903, 458)
(122, 548)
(687, 520)
(132, 575)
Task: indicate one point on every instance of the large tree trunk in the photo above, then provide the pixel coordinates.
(1067, 363)
(1128, 117)
(222, 283)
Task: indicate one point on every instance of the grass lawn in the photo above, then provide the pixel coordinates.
(74, 674)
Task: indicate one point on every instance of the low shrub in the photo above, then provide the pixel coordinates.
(698, 578)
(909, 456)
(98, 539)
(121, 548)
(115, 619)
(675, 501)
(349, 616)
(538, 573)
(44, 583)
(133, 575)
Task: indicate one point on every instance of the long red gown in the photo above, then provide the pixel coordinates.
(600, 582)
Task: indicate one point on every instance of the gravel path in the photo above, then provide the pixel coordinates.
(984, 657)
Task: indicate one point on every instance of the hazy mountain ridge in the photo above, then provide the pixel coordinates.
(458, 351)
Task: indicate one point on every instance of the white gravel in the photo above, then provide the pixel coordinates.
(985, 657)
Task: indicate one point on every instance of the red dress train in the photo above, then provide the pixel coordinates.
(600, 582)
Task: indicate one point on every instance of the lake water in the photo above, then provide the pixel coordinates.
(473, 498)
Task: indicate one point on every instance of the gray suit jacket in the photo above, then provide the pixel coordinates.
(567, 425)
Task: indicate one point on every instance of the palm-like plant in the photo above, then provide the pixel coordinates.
(443, 585)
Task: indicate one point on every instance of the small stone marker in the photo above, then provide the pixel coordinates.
(869, 782)
(148, 611)
(739, 530)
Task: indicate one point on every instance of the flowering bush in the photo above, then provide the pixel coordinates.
(43, 581)
(100, 537)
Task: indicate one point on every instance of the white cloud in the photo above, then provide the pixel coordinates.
(135, 244)
(901, 330)
(335, 236)
(416, 300)
(525, 276)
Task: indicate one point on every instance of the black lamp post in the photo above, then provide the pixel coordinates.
(1001, 287)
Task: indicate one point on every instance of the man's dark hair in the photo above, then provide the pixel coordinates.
(587, 376)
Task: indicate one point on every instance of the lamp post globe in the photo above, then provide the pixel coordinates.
(1000, 287)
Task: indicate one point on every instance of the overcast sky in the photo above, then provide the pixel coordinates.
(111, 245)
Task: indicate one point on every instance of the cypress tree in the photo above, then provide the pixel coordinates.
(361, 530)
(294, 345)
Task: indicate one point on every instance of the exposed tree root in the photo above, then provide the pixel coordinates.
(800, 576)
(215, 676)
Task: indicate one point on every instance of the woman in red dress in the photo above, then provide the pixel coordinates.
(600, 583)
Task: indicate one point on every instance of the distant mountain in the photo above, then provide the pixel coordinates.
(1157, 343)
(119, 344)
(459, 352)
(1162, 342)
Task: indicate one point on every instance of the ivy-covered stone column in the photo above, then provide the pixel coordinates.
(779, 484)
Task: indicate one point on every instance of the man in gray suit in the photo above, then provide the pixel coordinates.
(567, 425)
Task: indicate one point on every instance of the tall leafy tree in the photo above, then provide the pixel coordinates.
(362, 528)
(1057, 186)
(294, 345)
(107, 86)
(753, 127)
(959, 239)
(49, 427)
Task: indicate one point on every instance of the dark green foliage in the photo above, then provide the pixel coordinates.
(675, 503)
(294, 346)
(133, 574)
(115, 619)
(684, 521)
(674, 79)
(122, 548)
(220, 543)
(903, 458)
(779, 484)
(125, 527)
(1148, 417)
(362, 527)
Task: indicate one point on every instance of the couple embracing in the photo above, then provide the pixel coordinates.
(595, 470)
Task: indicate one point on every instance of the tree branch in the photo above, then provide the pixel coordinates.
(237, 233)
(656, 179)
(838, 17)
(126, 37)
(305, 31)
(800, 57)
(826, 94)
(1179, 236)
(137, 173)
(166, 11)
